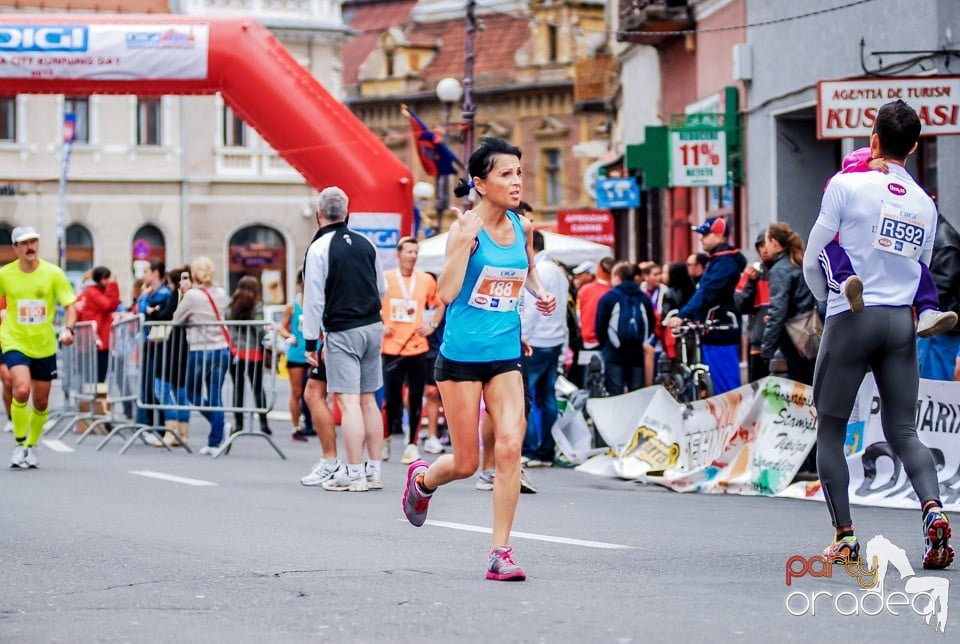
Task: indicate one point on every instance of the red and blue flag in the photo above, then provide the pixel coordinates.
(435, 157)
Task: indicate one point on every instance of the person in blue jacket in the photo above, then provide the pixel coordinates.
(714, 299)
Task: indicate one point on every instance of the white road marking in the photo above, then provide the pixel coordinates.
(56, 445)
(530, 535)
(170, 477)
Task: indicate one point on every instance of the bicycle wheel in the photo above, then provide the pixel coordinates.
(703, 385)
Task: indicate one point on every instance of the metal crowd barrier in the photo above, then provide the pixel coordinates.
(205, 371)
(78, 375)
(124, 380)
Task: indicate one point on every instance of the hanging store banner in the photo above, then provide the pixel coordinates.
(593, 225)
(104, 52)
(848, 108)
(698, 157)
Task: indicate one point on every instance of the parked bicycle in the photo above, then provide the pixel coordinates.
(688, 378)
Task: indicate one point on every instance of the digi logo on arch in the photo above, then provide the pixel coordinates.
(43, 38)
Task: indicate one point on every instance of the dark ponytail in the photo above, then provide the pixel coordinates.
(482, 160)
(791, 242)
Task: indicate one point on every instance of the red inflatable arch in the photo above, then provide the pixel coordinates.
(151, 55)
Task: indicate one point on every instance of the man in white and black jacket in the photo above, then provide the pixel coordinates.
(343, 287)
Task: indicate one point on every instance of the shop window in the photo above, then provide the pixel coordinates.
(259, 251)
(79, 251)
(8, 119)
(80, 108)
(149, 114)
(148, 243)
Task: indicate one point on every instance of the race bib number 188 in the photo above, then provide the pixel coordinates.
(498, 289)
(899, 232)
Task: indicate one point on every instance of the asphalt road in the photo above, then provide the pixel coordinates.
(92, 549)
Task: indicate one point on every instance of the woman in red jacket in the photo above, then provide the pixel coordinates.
(97, 303)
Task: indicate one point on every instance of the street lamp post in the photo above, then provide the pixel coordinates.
(449, 92)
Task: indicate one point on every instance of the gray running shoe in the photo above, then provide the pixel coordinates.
(342, 482)
(375, 479)
(933, 323)
(526, 487)
(323, 472)
(32, 458)
(501, 566)
(415, 503)
(485, 480)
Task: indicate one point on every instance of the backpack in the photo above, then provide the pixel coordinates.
(628, 324)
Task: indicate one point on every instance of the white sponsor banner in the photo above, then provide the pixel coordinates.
(104, 52)
(877, 476)
(383, 230)
(751, 440)
(848, 108)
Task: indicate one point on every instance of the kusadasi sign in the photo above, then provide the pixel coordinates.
(848, 108)
(926, 597)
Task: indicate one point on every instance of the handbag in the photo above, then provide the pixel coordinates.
(805, 330)
(226, 333)
(159, 333)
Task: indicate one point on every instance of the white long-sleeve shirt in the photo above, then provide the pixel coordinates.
(539, 330)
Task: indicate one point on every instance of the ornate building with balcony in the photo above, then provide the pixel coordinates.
(171, 177)
(524, 85)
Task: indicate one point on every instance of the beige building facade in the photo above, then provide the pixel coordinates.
(172, 177)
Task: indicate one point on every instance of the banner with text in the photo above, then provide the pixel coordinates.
(104, 52)
(751, 440)
(590, 224)
(877, 476)
(848, 108)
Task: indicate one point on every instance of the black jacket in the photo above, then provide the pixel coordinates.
(789, 296)
(945, 266)
(714, 294)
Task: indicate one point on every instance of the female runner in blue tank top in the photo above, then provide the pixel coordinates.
(489, 261)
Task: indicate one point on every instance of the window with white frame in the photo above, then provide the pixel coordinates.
(234, 129)
(149, 121)
(8, 119)
(80, 108)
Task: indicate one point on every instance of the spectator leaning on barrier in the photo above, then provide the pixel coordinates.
(97, 303)
(157, 304)
(714, 298)
(625, 320)
(209, 357)
(343, 286)
(246, 303)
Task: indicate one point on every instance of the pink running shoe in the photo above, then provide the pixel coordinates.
(415, 502)
(501, 566)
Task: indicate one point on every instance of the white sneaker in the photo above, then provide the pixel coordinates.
(485, 480)
(933, 323)
(432, 446)
(151, 439)
(526, 486)
(206, 450)
(343, 483)
(323, 472)
(32, 458)
(410, 454)
(8, 426)
(19, 457)
(375, 479)
(852, 291)
(385, 450)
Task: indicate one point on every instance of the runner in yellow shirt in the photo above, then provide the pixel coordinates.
(33, 288)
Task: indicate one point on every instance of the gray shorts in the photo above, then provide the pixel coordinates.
(352, 358)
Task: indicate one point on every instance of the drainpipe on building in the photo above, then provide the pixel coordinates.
(184, 205)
